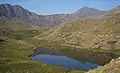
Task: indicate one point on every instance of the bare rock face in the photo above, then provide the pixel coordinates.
(7, 10)
(17, 12)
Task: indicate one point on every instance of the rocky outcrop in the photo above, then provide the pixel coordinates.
(112, 67)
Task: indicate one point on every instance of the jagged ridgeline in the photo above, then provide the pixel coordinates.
(16, 12)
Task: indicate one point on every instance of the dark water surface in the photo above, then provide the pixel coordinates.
(64, 61)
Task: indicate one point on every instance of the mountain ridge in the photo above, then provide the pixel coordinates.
(17, 12)
(88, 12)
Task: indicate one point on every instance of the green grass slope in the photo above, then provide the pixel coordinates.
(87, 33)
(18, 30)
(71, 30)
(95, 34)
(17, 42)
(16, 50)
(15, 58)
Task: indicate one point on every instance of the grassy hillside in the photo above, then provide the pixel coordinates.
(87, 33)
(14, 58)
(15, 50)
(18, 30)
(92, 34)
(70, 31)
(18, 40)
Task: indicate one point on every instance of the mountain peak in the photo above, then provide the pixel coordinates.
(17, 6)
(6, 5)
(85, 7)
(7, 10)
(88, 12)
(88, 8)
(117, 7)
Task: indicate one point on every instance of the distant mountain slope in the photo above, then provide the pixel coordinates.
(16, 12)
(87, 33)
(115, 10)
(74, 27)
(16, 51)
(18, 30)
(88, 12)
